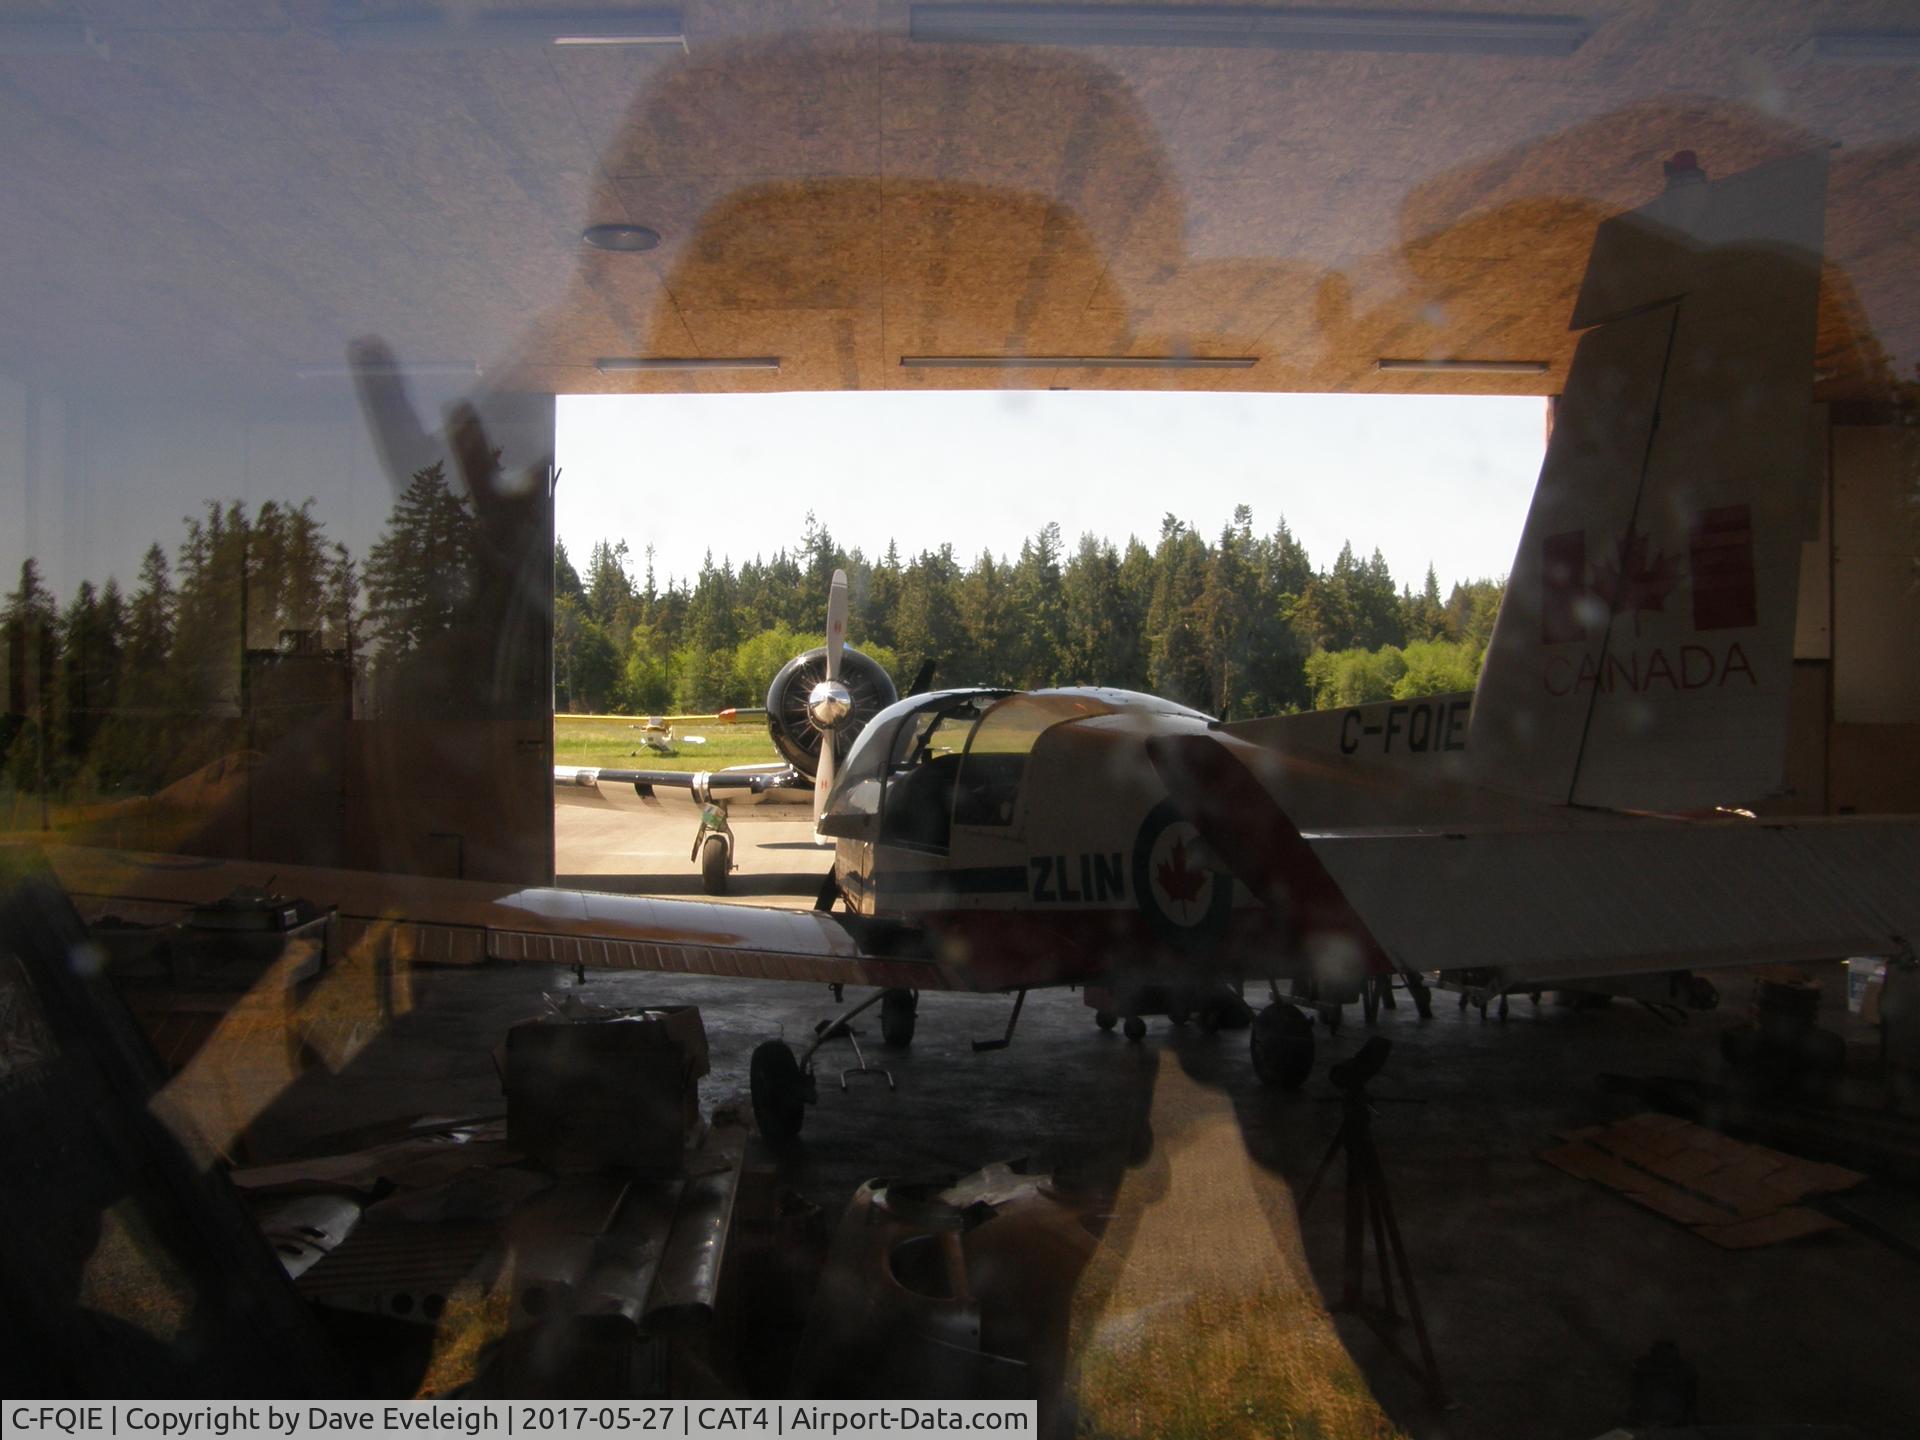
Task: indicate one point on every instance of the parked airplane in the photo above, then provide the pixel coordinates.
(827, 694)
(656, 731)
(1572, 818)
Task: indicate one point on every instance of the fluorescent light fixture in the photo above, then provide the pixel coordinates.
(1467, 367)
(620, 364)
(50, 37)
(1253, 27)
(672, 41)
(456, 28)
(405, 369)
(1868, 47)
(1078, 362)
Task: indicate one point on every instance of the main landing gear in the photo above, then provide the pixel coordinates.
(1280, 1037)
(782, 1084)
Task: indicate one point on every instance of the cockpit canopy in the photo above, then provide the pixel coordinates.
(956, 757)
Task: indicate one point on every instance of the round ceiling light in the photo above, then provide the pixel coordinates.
(620, 237)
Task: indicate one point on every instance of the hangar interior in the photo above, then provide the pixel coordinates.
(222, 217)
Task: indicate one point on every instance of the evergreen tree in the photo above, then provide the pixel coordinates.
(150, 621)
(928, 627)
(608, 589)
(1423, 616)
(204, 661)
(420, 575)
(341, 602)
(883, 598)
(1037, 625)
(89, 668)
(32, 644)
(566, 579)
(1099, 630)
(1177, 642)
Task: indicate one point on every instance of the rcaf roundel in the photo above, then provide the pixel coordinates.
(1185, 891)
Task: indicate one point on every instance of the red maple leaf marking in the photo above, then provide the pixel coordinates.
(1636, 581)
(1182, 884)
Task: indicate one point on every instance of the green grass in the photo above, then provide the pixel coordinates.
(615, 744)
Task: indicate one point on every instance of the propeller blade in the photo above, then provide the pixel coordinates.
(836, 623)
(1251, 835)
(823, 777)
(923, 678)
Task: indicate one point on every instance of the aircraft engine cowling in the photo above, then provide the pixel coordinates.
(795, 711)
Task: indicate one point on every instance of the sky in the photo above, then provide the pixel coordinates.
(1444, 480)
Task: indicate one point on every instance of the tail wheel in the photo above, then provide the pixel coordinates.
(899, 1009)
(779, 1091)
(1281, 1040)
(715, 862)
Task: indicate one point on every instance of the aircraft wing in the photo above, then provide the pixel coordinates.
(589, 787)
(1634, 897)
(466, 922)
(746, 779)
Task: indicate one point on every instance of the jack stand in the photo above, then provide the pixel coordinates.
(840, 1029)
(1368, 1204)
(982, 1046)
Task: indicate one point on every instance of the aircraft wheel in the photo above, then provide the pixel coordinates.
(898, 1012)
(1281, 1040)
(1105, 1019)
(714, 865)
(1135, 1028)
(1178, 1013)
(779, 1091)
(1330, 1015)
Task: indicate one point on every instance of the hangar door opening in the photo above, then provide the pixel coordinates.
(1243, 553)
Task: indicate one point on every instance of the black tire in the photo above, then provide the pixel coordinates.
(779, 1091)
(899, 1009)
(1281, 1042)
(714, 864)
(1331, 1015)
(1135, 1028)
(1105, 1019)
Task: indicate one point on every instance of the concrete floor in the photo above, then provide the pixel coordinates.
(1540, 1289)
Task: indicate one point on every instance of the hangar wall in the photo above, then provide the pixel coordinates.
(1855, 727)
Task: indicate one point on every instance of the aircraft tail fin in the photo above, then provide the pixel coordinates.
(1643, 653)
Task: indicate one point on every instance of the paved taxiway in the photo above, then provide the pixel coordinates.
(603, 848)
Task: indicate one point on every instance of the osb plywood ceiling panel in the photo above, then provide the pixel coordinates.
(218, 194)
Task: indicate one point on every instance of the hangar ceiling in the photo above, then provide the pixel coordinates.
(218, 196)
